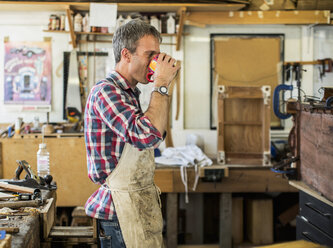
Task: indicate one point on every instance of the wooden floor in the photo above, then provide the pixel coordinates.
(292, 244)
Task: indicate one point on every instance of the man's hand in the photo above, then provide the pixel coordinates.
(166, 70)
(158, 110)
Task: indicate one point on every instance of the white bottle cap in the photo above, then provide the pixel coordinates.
(42, 146)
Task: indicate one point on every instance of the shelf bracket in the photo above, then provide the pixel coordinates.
(71, 27)
(181, 13)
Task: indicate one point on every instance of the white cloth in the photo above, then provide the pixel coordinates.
(185, 156)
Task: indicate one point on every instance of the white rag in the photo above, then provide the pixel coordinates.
(185, 156)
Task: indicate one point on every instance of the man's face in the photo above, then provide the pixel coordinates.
(146, 49)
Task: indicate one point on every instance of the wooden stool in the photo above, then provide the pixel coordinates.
(79, 217)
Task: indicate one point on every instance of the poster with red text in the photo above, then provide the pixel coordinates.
(27, 71)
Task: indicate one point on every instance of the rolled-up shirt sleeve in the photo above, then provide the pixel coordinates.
(125, 119)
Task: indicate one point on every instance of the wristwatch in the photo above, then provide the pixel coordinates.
(163, 90)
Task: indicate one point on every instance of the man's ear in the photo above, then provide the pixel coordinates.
(126, 55)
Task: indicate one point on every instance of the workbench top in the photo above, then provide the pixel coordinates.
(29, 224)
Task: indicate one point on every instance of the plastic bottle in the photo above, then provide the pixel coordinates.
(43, 161)
(85, 23)
(120, 21)
(171, 27)
(78, 23)
(155, 22)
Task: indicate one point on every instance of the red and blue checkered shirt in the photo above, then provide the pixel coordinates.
(113, 117)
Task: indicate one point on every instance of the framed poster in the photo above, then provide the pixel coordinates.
(27, 72)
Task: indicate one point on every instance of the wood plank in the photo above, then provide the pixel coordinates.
(237, 220)
(47, 216)
(260, 17)
(239, 180)
(19, 204)
(69, 231)
(172, 219)
(71, 27)
(164, 179)
(181, 13)
(307, 189)
(16, 188)
(225, 232)
(260, 221)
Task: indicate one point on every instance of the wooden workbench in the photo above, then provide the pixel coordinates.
(32, 225)
(240, 180)
(69, 168)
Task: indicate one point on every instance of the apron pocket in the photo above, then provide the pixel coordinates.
(148, 210)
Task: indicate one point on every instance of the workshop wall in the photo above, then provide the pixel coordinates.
(195, 73)
(323, 48)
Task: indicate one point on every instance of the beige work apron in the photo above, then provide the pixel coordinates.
(137, 199)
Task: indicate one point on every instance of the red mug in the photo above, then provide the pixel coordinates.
(151, 68)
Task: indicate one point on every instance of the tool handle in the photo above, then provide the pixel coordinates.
(15, 188)
(18, 172)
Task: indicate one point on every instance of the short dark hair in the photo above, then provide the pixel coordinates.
(127, 35)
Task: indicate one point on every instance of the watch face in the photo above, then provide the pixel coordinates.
(163, 89)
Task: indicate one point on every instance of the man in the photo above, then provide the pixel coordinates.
(120, 140)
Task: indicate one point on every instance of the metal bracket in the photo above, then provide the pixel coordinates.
(266, 90)
(222, 91)
(221, 157)
(266, 161)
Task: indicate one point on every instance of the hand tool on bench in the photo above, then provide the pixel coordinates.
(36, 193)
(31, 180)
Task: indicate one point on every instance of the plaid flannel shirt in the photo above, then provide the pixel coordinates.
(113, 117)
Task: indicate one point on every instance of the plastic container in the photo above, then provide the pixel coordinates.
(171, 25)
(78, 23)
(43, 161)
(155, 22)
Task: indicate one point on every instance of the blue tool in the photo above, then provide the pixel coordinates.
(276, 100)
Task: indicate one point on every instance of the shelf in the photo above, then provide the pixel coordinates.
(122, 7)
(258, 17)
(56, 31)
(111, 34)
(243, 123)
